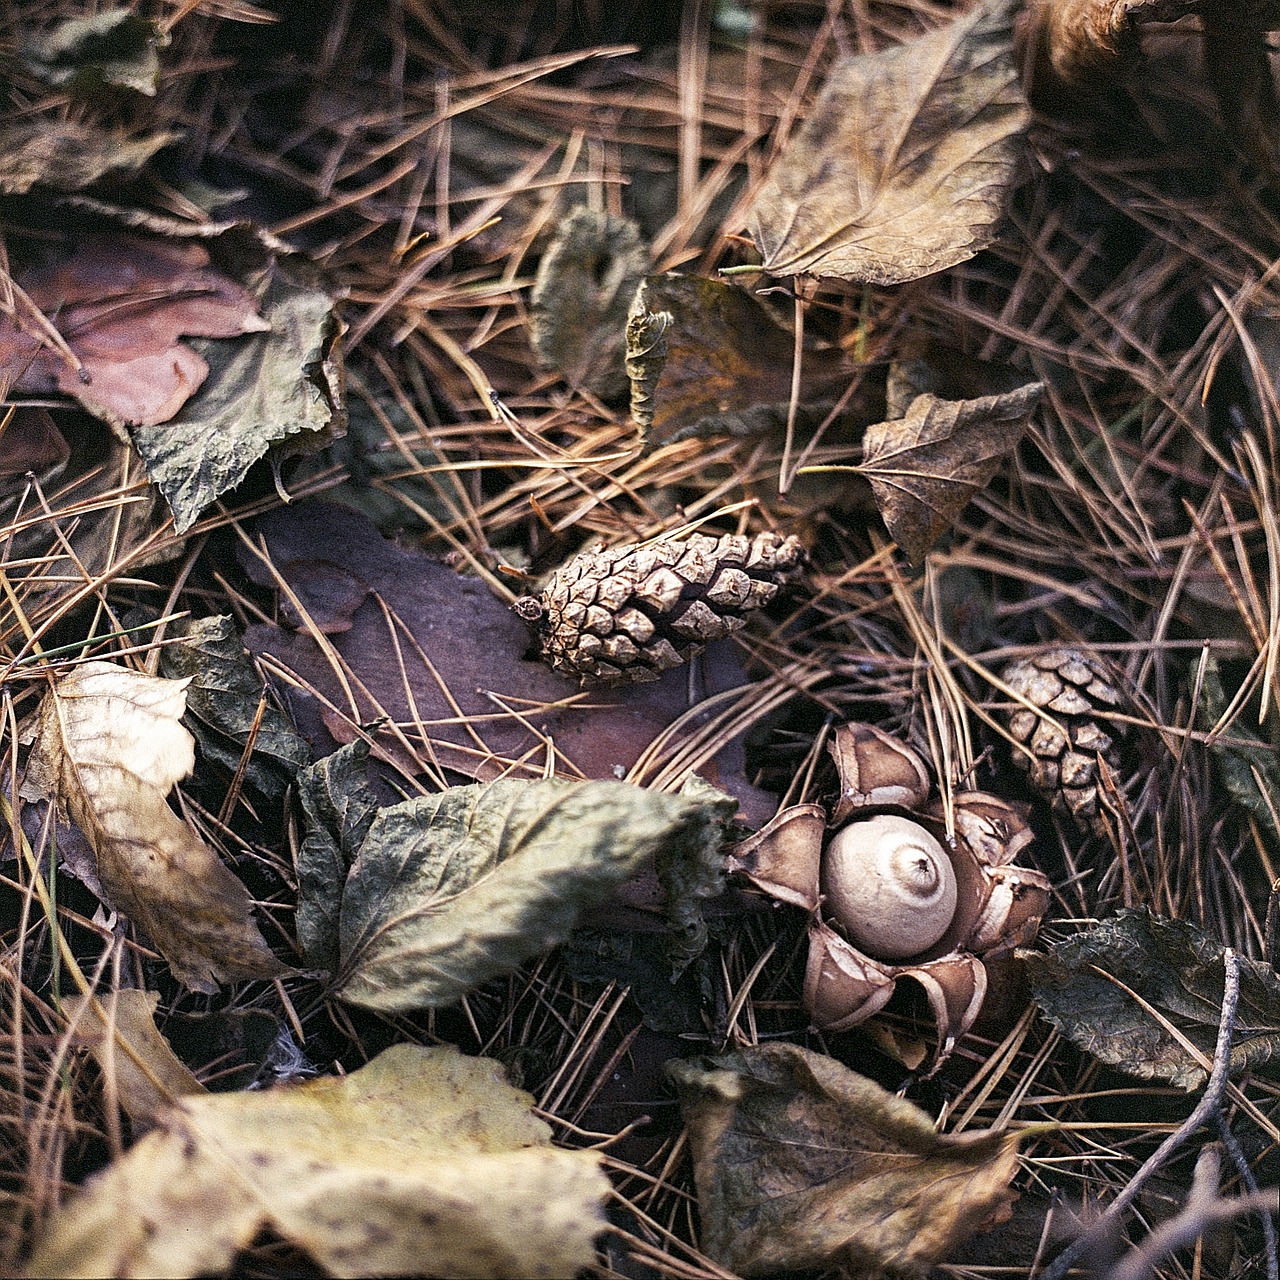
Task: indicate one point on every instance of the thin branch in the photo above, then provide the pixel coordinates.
(1209, 1106)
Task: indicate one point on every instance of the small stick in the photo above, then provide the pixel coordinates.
(1210, 1104)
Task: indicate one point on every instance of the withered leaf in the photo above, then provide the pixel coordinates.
(122, 303)
(1248, 764)
(801, 1163)
(706, 357)
(113, 47)
(226, 706)
(450, 890)
(578, 307)
(109, 745)
(338, 806)
(516, 710)
(905, 162)
(925, 467)
(423, 1160)
(279, 389)
(68, 155)
(1175, 968)
(121, 1033)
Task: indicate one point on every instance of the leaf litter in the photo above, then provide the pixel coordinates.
(1001, 372)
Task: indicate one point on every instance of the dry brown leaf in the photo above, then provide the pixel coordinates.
(108, 743)
(904, 164)
(925, 467)
(1079, 42)
(423, 1162)
(579, 303)
(707, 357)
(122, 303)
(147, 1075)
(801, 1163)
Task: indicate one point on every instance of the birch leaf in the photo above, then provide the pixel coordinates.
(422, 1161)
(904, 165)
(225, 707)
(109, 745)
(801, 1163)
(706, 357)
(925, 467)
(453, 889)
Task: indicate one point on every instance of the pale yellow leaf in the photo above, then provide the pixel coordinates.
(120, 1031)
(109, 745)
(423, 1162)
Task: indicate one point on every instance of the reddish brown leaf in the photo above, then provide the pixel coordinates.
(432, 649)
(925, 467)
(122, 304)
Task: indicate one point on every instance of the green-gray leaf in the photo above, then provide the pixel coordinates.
(338, 807)
(691, 869)
(1175, 968)
(453, 889)
(263, 389)
(222, 705)
(113, 47)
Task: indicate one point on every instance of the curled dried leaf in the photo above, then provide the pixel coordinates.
(109, 745)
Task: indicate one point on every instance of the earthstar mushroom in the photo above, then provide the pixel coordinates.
(893, 894)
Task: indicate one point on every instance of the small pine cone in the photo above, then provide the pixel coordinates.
(627, 614)
(1073, 686)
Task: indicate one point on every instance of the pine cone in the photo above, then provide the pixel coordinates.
(1073, 687)
(627, 614)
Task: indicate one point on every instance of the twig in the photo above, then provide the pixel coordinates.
(1204, 1207)
(1209, 1105)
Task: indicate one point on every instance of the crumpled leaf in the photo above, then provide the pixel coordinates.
(925, 467)
(147, 1074)
(112, 47)
(122, 303)
(423, 1159)
(905, 162)
(578, 307)
(450, 890)
(276, 390)
(338, 806)
(707, 357)
(801, 1163)
(518, 710)
(108, 743)
(227, 708)
(692, 869)
(1178, 970)
(69, 155)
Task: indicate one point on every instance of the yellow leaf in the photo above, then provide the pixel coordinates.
(424, 1161)
(109, 745)
(121, 1034)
